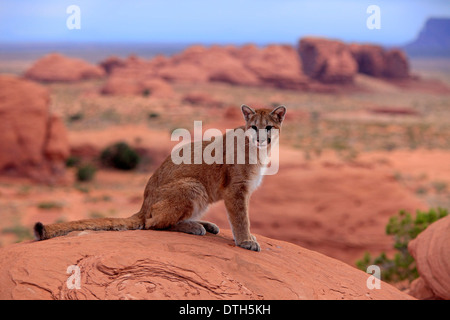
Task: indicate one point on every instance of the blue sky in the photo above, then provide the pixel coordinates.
(215, 21)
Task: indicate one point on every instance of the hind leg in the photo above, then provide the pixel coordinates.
(176, 202)
(191, 227)
(210, 227)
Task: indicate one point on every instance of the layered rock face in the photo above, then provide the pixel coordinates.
(34, 142)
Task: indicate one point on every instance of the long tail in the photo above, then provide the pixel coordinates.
(42, 232)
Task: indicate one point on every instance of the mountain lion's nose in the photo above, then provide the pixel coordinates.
(262, 140)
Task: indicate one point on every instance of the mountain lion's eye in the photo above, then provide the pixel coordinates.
(255, 128)
(268, 128)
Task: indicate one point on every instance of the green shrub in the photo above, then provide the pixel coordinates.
(86, 172)
(72, 161)
(146, 92)
(153, 115)
(47, 205)
(404, 228)
(120, 156)
(76, 117)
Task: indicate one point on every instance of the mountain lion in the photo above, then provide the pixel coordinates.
(177, 195)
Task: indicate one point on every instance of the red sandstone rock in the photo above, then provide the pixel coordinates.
(215, 64)
(120, 84)
(183, 72)
(397, 65)
(201, 98)
(370, 59)
(145, 264)
(232, 113)
(111, 63)
(237, 75)
(378, 62)
(34, 142)
(56, 67)
(139, 77)
(276, 65)
(328, 61)
(432, 255)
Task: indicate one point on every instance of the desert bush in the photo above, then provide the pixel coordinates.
(440, 186)
(75, 117)
(146, 92)
(404, 228)
(120, 156)
(153, 115)
(86, 172)
(47, 205)
(72, 161)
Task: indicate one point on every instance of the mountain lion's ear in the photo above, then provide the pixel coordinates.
(247, 112)
(279, 113)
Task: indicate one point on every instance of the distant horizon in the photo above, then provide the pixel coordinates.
(95, 52)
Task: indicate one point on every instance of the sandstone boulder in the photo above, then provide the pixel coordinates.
(375, 61)
(211, 64)
(136, 76)
(183, 72)
(234, 74)
(34, 142)
(201, 98)
(111, 63)
(397, 65)
(276, 65)
(146, 264)
(370, 59)
(432, 255)
(124, 83)
(56, 67)
(328, 61)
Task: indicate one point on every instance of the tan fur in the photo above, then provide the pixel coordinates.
(176, 196)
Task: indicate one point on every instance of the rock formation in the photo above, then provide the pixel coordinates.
(34, 142)
(277, 66)
(318, 64)
(397, 65)
(328, 61)
(111, 63)
(118, 84)
(375, 61)
(146, 264)
(433, 39)
(432, 255)
(274, 66)
(56, 67)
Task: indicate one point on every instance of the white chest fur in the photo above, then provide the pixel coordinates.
(255, 182)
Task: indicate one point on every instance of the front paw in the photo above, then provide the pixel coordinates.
(250, 245)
